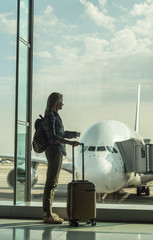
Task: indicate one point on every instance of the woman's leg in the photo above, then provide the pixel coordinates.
(54, 158)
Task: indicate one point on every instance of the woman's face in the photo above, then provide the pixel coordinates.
(59, 105)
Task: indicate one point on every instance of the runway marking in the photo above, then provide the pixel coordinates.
(126, 196)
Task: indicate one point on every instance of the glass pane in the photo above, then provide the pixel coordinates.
(22, 87)
(24, 19)
(7, 96)
(22, 104)
(96, 53)
(21, 143)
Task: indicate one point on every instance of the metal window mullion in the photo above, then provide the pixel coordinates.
(29, 101)
(24, 42)
(20, 122)
(16, 101)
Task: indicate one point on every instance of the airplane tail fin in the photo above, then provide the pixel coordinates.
(137, 111)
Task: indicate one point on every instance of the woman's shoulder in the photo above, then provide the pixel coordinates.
(49, 115)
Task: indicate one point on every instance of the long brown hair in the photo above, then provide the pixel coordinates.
(52, 102)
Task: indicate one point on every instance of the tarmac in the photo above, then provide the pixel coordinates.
(125, 196)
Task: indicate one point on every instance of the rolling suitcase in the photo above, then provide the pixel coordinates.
(81, 198)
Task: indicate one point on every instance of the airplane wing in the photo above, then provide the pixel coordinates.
(66, 164)
(11, 157)
(7, 157)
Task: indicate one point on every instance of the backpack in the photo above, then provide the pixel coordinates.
(40, 140)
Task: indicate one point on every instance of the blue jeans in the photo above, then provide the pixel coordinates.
(54, 158)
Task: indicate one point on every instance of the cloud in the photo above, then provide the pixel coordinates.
(142, 9)
(120, 7)
(102, 2)
(87, 48)
(7, 25)
(43, 54)
(7, 87)
(95, 44)
(124, 42)
(11, 58)
(48, 23)
(22, 4)
(136, 36)
(94, 57)
(47, 20)
(99, 17)
(144, 24)
(144, 28)
(48, 10)
(96, 49)
(68, 54)
(90, 65)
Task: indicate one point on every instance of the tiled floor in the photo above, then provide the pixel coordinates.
(16, 229)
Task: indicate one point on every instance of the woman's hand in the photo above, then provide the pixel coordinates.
(74, 143)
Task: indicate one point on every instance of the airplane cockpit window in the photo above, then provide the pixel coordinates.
(114, 150)
(101, 148)
(91, 148)
(109, 149)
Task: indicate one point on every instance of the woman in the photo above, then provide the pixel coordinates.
(54, 153)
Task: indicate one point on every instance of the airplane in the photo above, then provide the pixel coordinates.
(5, 161)
(104, 164)
(103, 160)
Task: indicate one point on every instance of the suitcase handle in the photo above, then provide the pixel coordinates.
(82, 144)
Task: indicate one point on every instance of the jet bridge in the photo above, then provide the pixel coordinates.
(138, 157)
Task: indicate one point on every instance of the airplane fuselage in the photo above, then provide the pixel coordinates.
(104, 165)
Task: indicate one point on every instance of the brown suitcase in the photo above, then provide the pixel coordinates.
(81, 198)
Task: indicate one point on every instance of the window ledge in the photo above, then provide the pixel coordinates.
(105, 212)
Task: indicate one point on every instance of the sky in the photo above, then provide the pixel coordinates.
(95, 53)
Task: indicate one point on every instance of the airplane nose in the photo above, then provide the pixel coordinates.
(104, 173)
(98, 171)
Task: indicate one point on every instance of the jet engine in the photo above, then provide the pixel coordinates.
(21, 177)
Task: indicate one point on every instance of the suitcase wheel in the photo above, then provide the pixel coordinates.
(73, 223)
(92, 222)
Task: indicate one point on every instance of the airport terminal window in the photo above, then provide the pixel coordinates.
(89, 62)
(17, 16)
(23, 101)
(7, 95)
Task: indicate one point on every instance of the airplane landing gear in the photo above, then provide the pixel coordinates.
(145, 190)
(99, 197)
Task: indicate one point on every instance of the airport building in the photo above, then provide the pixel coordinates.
(43, 53)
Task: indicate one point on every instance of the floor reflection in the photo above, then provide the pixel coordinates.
(35, 230)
